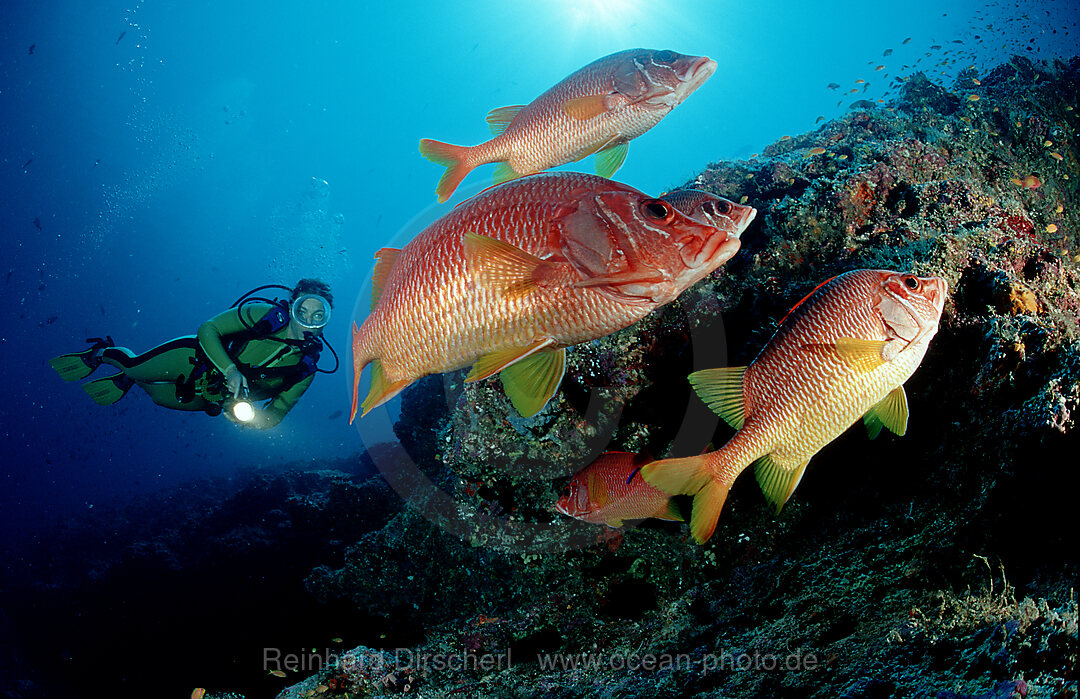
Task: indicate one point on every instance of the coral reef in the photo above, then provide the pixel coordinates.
(889, 574)
(937, 564)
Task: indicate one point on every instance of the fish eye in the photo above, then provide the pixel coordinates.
(723, 206)
(666, 56)
(911, 282)
(656, 210)
(566, 492)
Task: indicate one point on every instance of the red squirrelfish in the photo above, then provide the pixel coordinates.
(610, 490)
(511, 277)
(842, 353)
(705, 207)
(598, 109)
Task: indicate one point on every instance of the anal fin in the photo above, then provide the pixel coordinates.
(384, 262)
(670, 512)
(777, 482)
(505, 173)
(382, 389)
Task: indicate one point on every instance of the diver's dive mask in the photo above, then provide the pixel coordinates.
(310, 311)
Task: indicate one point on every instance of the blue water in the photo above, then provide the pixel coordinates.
(176, 154)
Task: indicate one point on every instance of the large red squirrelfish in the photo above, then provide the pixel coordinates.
(511, 277)
(597, 109)
(611, 490)
(842, 353)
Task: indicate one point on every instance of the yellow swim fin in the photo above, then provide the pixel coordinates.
(74, 366)
(79, 365)
(108, 390)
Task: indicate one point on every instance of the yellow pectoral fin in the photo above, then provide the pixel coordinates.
(384, 262)
(499, 119)
(587, 107)
(777, 482)
(890, 412)
(494, 362)
(531, 382)
(862, 355)
(721, 389)
(610, 159)
(501, 266)
(597, 492)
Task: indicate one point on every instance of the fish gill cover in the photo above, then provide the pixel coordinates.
(941, 563)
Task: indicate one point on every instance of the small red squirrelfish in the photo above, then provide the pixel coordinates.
(843, 352)
(513, 276)
(610, 490)
(597, 109)
(710, 209)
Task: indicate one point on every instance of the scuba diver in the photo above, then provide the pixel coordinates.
(258, 350)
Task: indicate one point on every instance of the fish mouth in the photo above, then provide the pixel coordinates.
(940, 293)
(700, 71)
(743, 222)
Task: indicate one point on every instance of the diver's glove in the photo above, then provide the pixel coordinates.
(235, 381)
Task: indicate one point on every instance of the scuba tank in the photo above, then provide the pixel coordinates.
(205, 380)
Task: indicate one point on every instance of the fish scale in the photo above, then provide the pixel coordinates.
(433, 315)
(829, 363)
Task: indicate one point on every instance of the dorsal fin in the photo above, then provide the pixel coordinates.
(721, 389)
(384, 262)
(804, 298)
(498, 119)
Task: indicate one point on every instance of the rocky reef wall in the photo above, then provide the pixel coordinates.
(940, 562)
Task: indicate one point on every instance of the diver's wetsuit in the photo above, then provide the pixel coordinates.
(158, 371)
